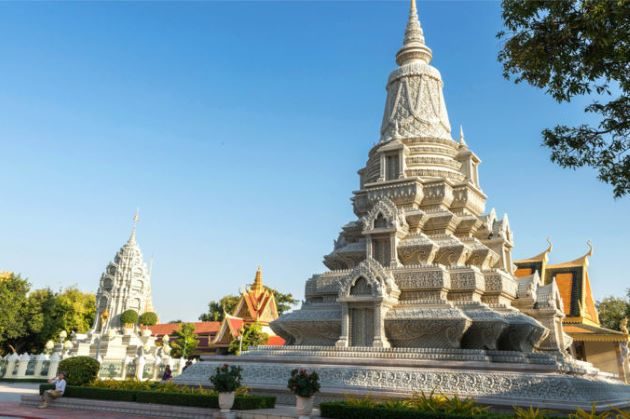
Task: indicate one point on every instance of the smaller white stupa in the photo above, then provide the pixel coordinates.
(125, 285)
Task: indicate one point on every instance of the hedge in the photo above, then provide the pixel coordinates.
(341, 410)
(79, 370)
(241, 402)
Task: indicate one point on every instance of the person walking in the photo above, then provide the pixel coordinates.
(60, 387)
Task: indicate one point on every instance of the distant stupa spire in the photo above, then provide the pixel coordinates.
(414, 48)
(136, 218)
(258, 284)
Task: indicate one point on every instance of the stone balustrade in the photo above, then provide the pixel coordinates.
(43, 367)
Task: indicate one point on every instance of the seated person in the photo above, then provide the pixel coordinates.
(60, 386)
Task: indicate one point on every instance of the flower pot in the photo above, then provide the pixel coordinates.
(226, 401)
(304, 406)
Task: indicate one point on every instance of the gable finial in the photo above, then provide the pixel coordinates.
(590, 248)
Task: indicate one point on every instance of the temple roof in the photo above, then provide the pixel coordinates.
(257, 303)
(201, 328)
(541, 257)
(579, 262)
(573, 283)
(590, 333)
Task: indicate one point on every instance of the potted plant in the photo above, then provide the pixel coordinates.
(226, 380)
(304, 385)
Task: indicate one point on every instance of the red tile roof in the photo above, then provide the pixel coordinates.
(201, 328)
(275, 341)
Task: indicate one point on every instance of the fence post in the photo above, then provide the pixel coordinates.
(54, 365)
(11, 361)
(39, 364)
(22, 365)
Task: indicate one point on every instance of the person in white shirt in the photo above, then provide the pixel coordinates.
(60, 386)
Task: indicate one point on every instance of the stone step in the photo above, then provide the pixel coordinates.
(162, 411)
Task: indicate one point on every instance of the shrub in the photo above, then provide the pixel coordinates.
(148, 319)
(79, 370)
(129, 317)
(302, 383)
(226, 378)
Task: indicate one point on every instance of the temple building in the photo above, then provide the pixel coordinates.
(420, 292)
(606, 349)
(257, 304)
(423, 265)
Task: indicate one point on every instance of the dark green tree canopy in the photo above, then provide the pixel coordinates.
(575, 48)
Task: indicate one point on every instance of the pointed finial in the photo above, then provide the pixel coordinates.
(258, 285)
(413, 48)
(136, 218)
(462, 141)
(590, 248)
(550, 247)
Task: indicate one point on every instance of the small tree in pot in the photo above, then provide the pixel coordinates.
(129, 318)
(226, 380)
(304, 385)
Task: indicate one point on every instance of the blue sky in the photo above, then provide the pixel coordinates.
(237, 129)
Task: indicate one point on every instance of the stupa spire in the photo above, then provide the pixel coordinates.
(136, 218)
(414, 48)
(258, 284)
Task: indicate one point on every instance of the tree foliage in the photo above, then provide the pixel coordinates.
(612, 310)
(284, 302)
(13, 309)
(251, 335)
(576, 48)
(148, 319)
(216, 310)
(185, 341)
(30, 319)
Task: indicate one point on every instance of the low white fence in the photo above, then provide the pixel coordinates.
(43, 367)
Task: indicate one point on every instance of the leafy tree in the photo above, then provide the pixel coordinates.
(575, 48)
(216, 310)
(47, 313)
(148, 319)
(185, 341)
(76, 309)
(13, 310)
(252, 335)
(612, 310)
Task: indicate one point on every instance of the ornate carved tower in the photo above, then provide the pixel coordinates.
(423, 265)
(125, 284)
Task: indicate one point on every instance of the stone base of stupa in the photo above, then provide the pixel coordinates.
(498, 378)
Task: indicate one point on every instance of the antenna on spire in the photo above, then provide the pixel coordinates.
(462, 141)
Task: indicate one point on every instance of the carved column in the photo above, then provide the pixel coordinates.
(41, 358)
(380, 340)
(54, 365)
(345, 326)
(393, 241)
(381, 176)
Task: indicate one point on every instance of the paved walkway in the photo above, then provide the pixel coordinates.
(10, 394)
(14, 410)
